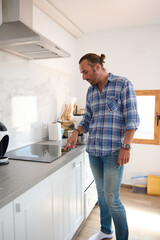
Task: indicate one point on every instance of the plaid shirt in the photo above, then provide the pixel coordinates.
(108, 114)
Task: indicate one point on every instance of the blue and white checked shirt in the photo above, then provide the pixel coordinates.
(108, 114)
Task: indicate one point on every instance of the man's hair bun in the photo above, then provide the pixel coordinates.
(94, 59)
(102, 57)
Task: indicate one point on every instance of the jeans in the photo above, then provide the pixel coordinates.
(108, 176)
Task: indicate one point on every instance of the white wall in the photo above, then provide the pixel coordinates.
(135, 54)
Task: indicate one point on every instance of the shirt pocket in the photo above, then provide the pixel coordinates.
(112, 103)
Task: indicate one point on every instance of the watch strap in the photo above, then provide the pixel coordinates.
(126, 146)
(77, 130)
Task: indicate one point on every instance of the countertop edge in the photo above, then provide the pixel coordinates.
(6, 198)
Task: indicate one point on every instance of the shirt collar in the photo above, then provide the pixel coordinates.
(110, 78)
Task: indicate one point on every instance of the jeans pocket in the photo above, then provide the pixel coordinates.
(116, 153)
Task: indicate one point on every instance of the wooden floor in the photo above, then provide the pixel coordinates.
(143, 214)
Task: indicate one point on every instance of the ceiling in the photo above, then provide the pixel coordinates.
(93, 16)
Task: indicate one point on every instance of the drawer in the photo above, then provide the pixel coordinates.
(90, 199)
(88, 176)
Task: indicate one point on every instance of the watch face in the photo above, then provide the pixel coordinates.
(126, 146)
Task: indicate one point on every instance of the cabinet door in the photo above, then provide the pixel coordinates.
(33, 213)
(6, 222)
(88, 176)
(77, 192)
(68, 203)
(61, 183)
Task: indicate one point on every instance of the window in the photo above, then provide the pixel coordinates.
(149, 110)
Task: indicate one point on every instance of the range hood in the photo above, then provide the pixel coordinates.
(18, 37)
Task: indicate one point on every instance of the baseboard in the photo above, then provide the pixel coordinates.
(123, 185)
(78, 230)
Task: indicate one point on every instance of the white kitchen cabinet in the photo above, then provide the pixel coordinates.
(6, 222)
(61, 183)
(89, 186)
(54, 31)
(52, 209)
(68, 200)
(33, 213)
(77, 203)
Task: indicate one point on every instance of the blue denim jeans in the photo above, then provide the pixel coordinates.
(108, 176)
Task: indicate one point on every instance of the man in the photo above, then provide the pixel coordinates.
(111, 119)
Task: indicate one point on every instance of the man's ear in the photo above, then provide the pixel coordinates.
(97, 66)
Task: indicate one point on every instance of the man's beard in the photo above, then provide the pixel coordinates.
(91, 82)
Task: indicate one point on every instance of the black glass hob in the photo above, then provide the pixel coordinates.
(37, 153)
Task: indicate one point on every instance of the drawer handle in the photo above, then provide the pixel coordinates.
(73, 165)
(18, 207)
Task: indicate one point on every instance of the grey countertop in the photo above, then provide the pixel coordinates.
(19, 176)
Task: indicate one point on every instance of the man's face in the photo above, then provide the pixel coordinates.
(89, 73)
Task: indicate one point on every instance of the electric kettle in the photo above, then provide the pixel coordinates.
(4, 140)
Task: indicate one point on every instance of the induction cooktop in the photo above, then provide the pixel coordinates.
(37, 153)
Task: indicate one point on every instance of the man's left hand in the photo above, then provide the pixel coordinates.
(124, 156)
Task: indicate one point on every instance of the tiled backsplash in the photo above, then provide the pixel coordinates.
(31, 95)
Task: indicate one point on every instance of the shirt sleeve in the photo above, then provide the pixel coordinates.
(87, 116)
(129, 103)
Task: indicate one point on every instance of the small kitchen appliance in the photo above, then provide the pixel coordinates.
(4, 140)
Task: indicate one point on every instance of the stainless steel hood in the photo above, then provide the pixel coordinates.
(18, 37)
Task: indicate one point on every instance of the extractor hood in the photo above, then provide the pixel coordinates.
(18, 37)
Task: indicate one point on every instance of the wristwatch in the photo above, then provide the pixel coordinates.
(126, 146)
(77, 131)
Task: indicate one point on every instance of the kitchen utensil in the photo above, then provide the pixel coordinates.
(82, 138)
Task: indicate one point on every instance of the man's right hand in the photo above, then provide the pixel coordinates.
(72, 140)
